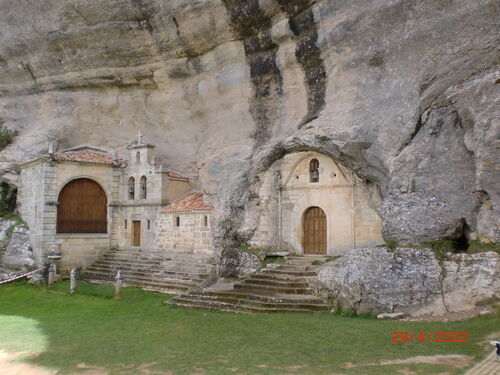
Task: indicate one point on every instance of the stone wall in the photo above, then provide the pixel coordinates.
(352, 220)
(191, 235)
(82, 249)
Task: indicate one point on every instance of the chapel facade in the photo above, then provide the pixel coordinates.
(309, 204)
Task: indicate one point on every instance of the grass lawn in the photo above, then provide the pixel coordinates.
(138, 335)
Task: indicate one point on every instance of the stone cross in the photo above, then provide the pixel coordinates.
(139, 137)
(118, 285)
(72, 281)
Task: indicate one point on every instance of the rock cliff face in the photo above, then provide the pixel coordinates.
(403, 92)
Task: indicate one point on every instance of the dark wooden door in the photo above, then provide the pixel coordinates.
(136, 238)
(314, 231)
(82, 208)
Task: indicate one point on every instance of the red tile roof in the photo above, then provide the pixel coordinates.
(191, 202)
(174, 174)
(86, 157)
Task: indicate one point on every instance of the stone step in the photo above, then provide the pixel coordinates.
(289, 298)
(167, 288)
(273, 289)
(193, 298)
(292, 267)
(139, 278)
(218, 307)
(235, 307)
(277, 277)
(155, 266)
(157, 261)
(100, 268)
(112, 265)
(311, 257)
(152, 275)
(182, 257)
(275, 283)
(288, 273)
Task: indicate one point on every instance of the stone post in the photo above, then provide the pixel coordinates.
(118, 285)
(52, 274)
(72, 281)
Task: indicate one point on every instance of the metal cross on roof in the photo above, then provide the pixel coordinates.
(139, 137)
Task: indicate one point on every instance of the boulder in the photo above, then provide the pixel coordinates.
(412, 281)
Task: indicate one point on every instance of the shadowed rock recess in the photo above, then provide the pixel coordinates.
(402, 92)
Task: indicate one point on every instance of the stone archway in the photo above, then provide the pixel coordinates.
(314, 226)
(82, 207)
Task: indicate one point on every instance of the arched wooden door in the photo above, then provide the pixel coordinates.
(314, 231)
(82, 208)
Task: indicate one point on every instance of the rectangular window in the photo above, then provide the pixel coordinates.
(125, 224)
(149, 224)
(205, 221)
(177, 221)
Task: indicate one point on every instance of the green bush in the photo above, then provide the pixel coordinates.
(480, 247)
(6, 135)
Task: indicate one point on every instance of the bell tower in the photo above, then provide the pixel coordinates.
(141, 153)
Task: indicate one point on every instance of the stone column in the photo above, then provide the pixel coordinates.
(72, 281)
(52, 274)
(118, 285)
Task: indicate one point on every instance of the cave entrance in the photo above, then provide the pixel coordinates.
(8, 198)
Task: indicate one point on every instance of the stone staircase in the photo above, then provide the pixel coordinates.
(279, 287)
(159, 271)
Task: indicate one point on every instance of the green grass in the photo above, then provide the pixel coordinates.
(91, 327)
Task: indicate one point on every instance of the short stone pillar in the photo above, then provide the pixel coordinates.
(72, 281)
(52, 274)
(118, 285)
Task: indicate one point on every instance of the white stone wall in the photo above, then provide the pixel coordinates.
(192, 235)
(351, 221)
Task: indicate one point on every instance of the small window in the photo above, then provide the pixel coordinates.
(314, 170)
(125, 224)
(138, 157)
(177, 221)
(205, 221)
(149, 224)
(131, 188)
(144, 187)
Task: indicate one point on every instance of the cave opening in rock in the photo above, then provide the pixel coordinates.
(8, 198)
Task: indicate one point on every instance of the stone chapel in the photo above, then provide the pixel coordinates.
(83, 201)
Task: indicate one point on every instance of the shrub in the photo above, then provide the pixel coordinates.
(6, 135)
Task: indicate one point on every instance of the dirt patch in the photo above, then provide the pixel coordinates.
(452, 360)
(9, 367)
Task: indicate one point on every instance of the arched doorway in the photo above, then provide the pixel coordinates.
(314, 241)
(82, 208)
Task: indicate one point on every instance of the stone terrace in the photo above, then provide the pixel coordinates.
(277, 288)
